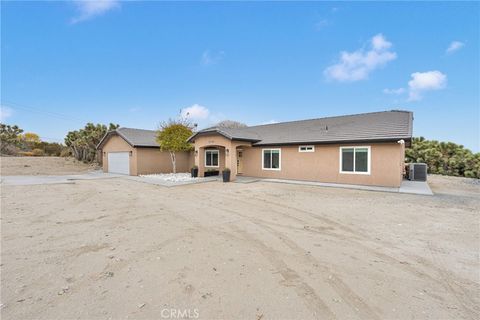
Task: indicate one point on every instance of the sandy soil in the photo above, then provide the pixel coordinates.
(12, 166)
(116, 248)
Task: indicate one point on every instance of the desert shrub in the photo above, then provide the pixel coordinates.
(65, 152)
(53, 148)
(38, 152)
(25, 153)
(445, 158)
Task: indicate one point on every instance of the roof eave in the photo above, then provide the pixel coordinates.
(380, 140)
(109, 134)
(220, 132)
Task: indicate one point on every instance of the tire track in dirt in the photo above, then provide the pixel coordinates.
(354, 300)
(347, 294)
(451, 283)
(290, 276)
(304, 290)
(451, 286)
(456, 290)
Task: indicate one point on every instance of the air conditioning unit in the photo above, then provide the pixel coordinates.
(417, 171)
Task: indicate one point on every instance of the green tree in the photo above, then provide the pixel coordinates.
(172, 137)
(9, 138)
(445, 158)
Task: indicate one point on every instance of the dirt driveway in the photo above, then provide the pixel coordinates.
(116, 248)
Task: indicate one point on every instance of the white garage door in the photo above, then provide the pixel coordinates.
(119, 162)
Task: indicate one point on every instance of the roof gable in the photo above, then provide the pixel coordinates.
(134, 137)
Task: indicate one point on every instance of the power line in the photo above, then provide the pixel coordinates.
(57, 115)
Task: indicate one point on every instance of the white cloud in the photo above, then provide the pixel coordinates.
(195, 112)
(425, 81)
(5, 113)
(357, 65)
(209, 58)
(454, 46)
(394, 91)
(379, 43)
(91, 8)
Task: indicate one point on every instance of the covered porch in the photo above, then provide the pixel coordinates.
(214, 153)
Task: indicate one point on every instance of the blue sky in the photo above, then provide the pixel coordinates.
(138, 63)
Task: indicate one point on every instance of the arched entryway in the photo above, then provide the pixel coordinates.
(228, 150)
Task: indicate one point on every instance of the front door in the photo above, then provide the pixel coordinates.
(239, 161)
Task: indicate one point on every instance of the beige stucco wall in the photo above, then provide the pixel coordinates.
(118, 144)
(146, 160)
(228, 158)
(152, 160)
(323, 164)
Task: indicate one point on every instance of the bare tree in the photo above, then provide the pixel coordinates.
(230, 124)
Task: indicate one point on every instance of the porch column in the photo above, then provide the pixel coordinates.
(199, 160)
(231, 160)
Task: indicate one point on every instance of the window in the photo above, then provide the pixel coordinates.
(271, 159)
(306, 149)
(355, 160)
(211, 158)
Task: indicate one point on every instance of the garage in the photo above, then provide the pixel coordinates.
(136, 151)
(119, 162)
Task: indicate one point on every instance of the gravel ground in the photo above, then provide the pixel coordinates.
(116, 248)
(171, 177)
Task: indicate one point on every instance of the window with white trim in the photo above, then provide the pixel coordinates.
(355, 160)
(211, 158)
(306, 149)
(271, 159)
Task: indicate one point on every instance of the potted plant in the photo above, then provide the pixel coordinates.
(226, 175)
(194, 171)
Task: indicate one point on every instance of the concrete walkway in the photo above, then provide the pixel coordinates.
(412, 187)
(415, 187)
(51, 179)
(243, 179)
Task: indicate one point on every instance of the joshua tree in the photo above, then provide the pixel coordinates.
(83, 142)
(9, 137)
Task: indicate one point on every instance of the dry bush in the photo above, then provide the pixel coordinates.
(38, 152)
(25, 153)
(65, 153)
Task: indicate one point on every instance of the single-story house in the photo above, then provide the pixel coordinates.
(365, 149)
(136, 151)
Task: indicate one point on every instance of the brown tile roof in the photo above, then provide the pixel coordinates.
(375, 126)
(134, 137)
